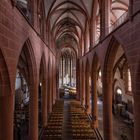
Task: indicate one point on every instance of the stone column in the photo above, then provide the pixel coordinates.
(80, 88)
(50, 91)
(70, 70)
(94, 97)
(130, 9)
(83, 87)
(78, 79)
(62, 71)
(33, 112)
(107, 108)
(52, 84)
(105, 18)
(86, 39)
(6, 117)
(87, 92)
(48, 95)
(44, 102)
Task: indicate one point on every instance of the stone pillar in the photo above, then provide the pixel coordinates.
(70, 70)
(34, 14)
(33, 112)
(87, 92)
(105, 18)
(52, 84)
(44, 102)
(48, 96)
(57, 83)
(85, 40)
(80, 88)
(92, 33)
(107, 108)
(94, 97)
(83, 87)
(62, 70)
(50, 91)
(78, 79)
(130, 8)
(6, 117)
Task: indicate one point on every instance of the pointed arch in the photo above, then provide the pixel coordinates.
(42, 113)
(49, 96)
(111, 54)
(5, 86)
(95, 63)
(28, 64)
(43, 66)
(94, 95)
(87, 87)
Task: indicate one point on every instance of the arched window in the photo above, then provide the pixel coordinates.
(127, 80)
(100, 78)
(119, 91)
(118, 96)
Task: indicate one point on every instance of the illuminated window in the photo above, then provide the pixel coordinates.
(119, 91)
(99, 78)
(129, 80)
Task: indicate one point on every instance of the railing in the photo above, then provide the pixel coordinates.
(96, 131)
(98, 135)
(40, 134)
(118, 22)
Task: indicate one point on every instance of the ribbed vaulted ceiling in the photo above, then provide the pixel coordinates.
(68, 21)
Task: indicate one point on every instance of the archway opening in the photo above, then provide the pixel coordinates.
(100, 100)
(117, 94)
(22, 98)
(122, 102)
(40, 96)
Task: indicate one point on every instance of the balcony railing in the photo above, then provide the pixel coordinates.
(118, 22)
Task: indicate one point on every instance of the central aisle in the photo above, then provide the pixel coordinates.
(72, 125)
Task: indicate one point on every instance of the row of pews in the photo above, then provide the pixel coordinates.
(80, 124)
(53, 130)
